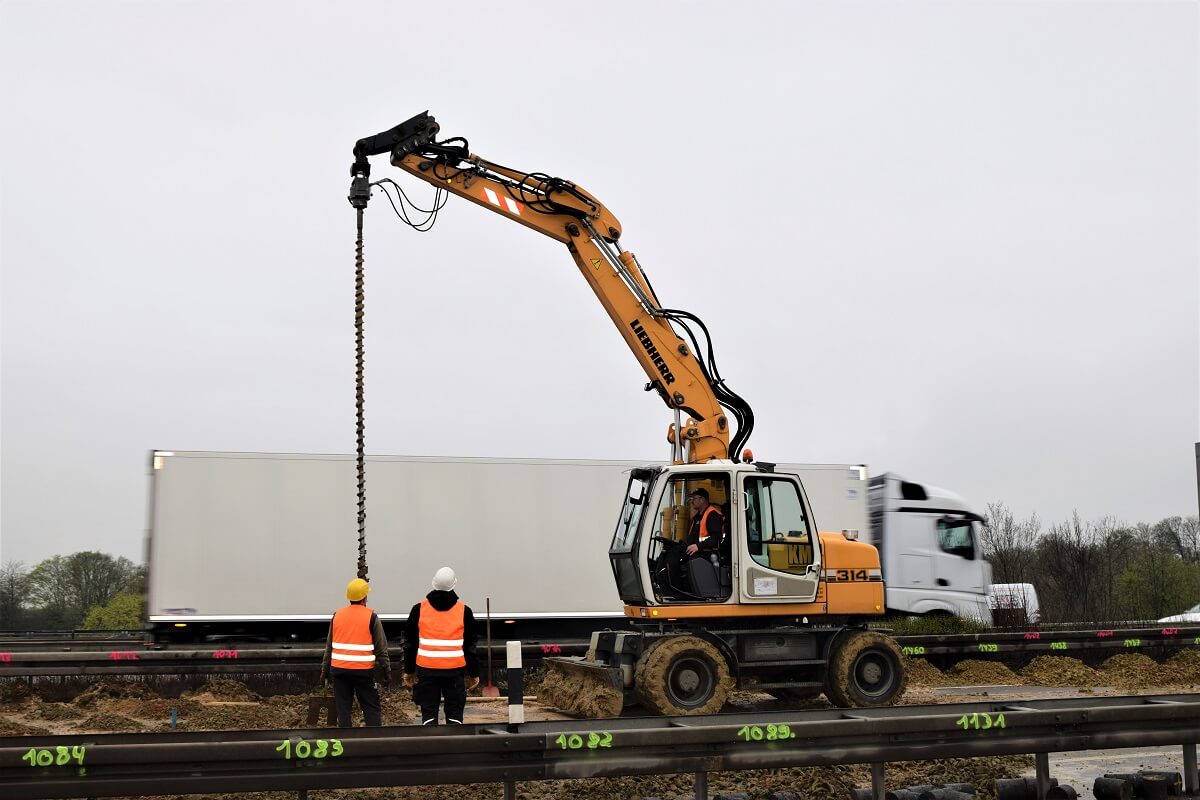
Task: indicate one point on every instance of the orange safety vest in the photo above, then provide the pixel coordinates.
(440, 643)
(353, 647)
(702, 530)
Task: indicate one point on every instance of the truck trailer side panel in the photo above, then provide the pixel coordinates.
(245, 536)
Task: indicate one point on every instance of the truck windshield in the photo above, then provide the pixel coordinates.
(636, 495)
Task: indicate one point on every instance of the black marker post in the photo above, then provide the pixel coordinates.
(516, 687)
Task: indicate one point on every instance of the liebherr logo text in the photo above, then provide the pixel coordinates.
(652, 351)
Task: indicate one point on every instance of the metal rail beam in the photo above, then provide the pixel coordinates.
(251, 659)
(102, 765)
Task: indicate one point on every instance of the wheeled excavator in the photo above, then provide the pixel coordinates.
(778, 606)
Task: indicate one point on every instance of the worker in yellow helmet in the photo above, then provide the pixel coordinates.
(355, 652)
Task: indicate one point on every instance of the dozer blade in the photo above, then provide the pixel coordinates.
(585, 688)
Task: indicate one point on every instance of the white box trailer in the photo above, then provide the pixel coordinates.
(261, 545)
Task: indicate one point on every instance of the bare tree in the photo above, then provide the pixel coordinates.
(14, 582)
(1008, 544)
(1069, 558)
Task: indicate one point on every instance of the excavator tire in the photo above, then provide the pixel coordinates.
(680, 675)
(866, 670)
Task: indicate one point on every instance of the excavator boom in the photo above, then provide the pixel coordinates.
(566, 212)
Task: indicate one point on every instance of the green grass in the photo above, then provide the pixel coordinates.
(931, 625)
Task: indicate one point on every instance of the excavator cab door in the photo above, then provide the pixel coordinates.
(623, 552)
(779, 552)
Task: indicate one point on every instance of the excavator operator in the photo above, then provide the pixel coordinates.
(707, 527)
(692, 567)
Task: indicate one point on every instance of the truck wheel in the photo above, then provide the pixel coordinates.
(866, 670)
(682, 675)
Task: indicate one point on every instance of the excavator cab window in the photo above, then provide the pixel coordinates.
(622, 552)
(778, 534)
(680, 521)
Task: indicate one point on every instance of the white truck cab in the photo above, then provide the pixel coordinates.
(928, 542)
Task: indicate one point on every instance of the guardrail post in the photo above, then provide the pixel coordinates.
(510, 790)
(701, 791)
(516, 686)
(1191, 782)
(1043, 774)
(878, 789)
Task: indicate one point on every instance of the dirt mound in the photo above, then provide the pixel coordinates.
(1182, 668)
(10, 727)
(922, 673)
(221, 689)
(105, 721)
(1131, 671)
(14, 694)
(586, 698)
(56, 711)
(1061, 671)
(973, 672)
(226, 715)
(112, 689)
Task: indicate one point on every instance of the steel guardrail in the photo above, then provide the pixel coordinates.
(128, 659)
(1051, 642)
(106, 765)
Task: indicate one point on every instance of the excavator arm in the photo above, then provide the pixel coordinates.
(569, 214)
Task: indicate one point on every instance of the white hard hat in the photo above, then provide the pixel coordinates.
(444, 579)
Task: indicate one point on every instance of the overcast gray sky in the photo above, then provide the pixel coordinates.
(953, 240)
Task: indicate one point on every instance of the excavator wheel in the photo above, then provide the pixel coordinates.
(682, 675)
(866, 670)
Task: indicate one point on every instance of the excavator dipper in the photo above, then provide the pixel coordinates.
(778, 605)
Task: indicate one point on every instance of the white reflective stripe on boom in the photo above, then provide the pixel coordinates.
(441, 642)
(344, 646)
(440, 653)
(512, 205)
(344, 657)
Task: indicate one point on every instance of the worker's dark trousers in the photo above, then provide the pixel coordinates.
(434, 685)
(351, 683)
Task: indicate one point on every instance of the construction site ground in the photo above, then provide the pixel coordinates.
(148, 705)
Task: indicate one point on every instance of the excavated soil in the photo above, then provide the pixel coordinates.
(1060, 671)
(922, 673)
(973, 672)
(1131, 671)
(1183, 668)
(585, 698)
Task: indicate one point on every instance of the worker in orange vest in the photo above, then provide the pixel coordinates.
(355, 652)
(439, 651)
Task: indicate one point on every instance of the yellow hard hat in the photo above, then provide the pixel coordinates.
(357, 589)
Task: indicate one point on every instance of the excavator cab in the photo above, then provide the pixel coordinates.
(766, 548)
